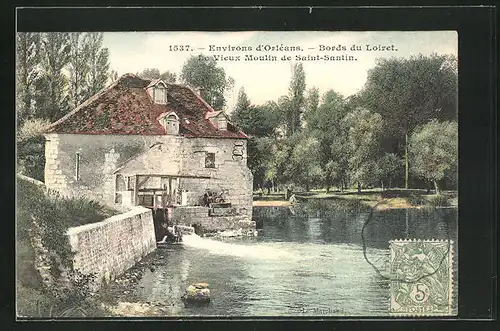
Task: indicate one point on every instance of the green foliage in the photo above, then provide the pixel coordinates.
(438, 201)
(44, 88)
(332, 206)
(31, 148)
(257, 121)
(434, 150)
(51, 98)
(325, 124)
(154, 73)
(388, 167)
(97, 61)
(296, 103)
(416, 199)
(410, 92)
(54, 215)
(312, 100)
(78, 69)
(27, 71)
(81, 211)
(364, 129)
(300, 160)
(203, 72)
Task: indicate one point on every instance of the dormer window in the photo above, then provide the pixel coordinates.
(222, 122)
(218, 119)
(157, 90)
(170, 123)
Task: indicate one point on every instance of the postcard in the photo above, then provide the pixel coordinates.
(242, 174)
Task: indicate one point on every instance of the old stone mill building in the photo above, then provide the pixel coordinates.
(152, 144)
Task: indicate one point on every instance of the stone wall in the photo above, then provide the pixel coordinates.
(101, 155)
(110, 247)
(199, 216)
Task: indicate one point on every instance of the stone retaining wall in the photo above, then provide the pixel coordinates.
(110, 247)
(199, 216)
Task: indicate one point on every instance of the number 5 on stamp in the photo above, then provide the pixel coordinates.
(421, 277)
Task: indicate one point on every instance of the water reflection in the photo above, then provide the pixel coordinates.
(310, 263)
(344, 227)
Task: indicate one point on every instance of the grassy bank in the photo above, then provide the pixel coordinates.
(54, 215)
(381, 199)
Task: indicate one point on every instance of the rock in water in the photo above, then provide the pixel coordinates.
(201, 285)
(198, 293)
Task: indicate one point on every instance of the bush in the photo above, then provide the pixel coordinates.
(80, 211)
(416, 200)
(332, 206)
(54, 215)
(31, 148)
(438, 201)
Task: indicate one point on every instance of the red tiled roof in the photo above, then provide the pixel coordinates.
(126, 108)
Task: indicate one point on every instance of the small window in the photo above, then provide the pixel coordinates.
(210, 160)
(160, 94)
(222, 123)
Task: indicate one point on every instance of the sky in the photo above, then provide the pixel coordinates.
(263, 80)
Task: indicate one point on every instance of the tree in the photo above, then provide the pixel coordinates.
(242, 104)
(312, 101)
(203, 72)
(364, 129)
(258, 121)
(304, 166)
(388, 166)
(168, 77)
(296, 99)
(434, 150)
(277, 168)
(27, 71)
(410, 92)
(150, 73)
(78, 68)
(325, 123)
(154, 73)
(30, 148)
(283, 109)
(97, 60)
(113, 75)
(51, 99)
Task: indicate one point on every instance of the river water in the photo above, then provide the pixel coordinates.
(310, 264)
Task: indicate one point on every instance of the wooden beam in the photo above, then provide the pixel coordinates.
(175, 176)
(136, 191)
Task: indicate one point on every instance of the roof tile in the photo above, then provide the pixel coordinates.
(126, 108)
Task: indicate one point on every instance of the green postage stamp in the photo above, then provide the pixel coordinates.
(421, 277)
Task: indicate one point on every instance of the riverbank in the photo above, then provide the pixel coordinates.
(374, 198)
(289, 270)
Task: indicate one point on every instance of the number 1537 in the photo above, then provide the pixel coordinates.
(179, 48)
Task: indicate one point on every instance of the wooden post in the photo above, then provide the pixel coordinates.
(136, 190)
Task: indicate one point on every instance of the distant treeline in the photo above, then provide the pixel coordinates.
(399, 130)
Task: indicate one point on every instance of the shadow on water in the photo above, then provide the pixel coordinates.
(342, 223)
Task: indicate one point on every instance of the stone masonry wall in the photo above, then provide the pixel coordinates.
(110, 247)
(100, 156)
(197, 215)
(230, 175)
